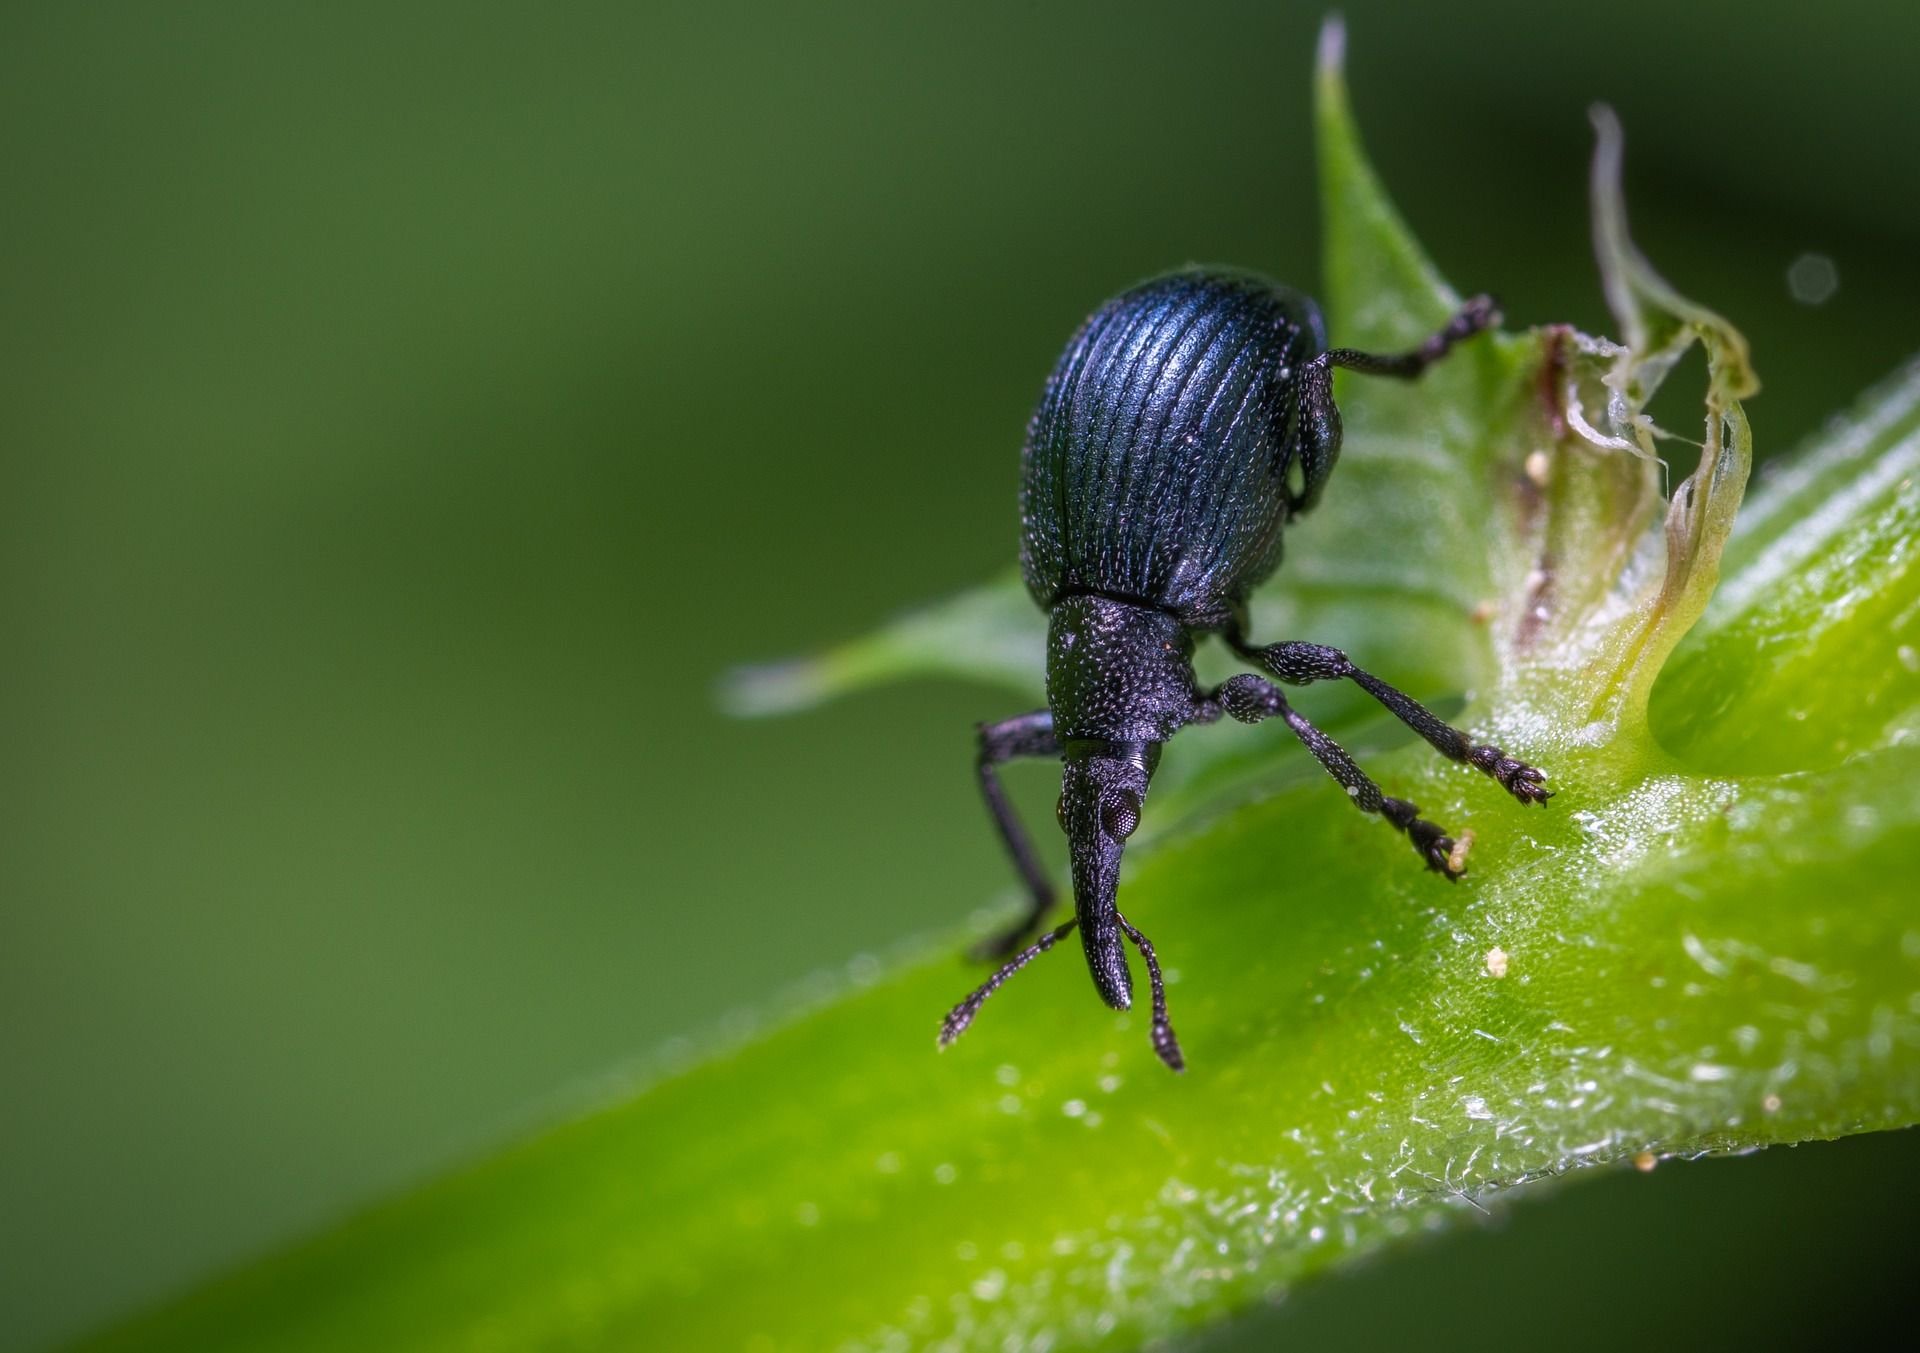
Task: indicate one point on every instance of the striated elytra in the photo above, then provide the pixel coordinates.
(1186, 423)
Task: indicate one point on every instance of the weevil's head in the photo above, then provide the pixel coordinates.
(1119, 684)
(1103, 788)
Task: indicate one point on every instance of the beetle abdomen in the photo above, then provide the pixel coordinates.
(1156, 464)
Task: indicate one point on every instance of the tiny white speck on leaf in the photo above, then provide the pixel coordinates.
(1496, 962)
(1457, 857)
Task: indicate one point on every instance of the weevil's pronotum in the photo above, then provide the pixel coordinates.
(1187, 422)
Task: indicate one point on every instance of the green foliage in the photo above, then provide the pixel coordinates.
(1705, 943)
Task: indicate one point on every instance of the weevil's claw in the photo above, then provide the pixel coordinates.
(1479, 312)
(1439, 855)
(1431, 842)
(1519, 779)
(1530, 791)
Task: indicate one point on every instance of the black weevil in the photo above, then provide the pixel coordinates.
(1186, 423)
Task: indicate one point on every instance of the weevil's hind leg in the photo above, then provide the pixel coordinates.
(1250, 699)
(1480, 312)
(1164, 1043)
(1027, 735)
(962, 1014)
(1300, 664)
(1318, 438)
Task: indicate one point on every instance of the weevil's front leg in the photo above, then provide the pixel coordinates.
(1027, 735)
(1300, 664)
(1249, 699)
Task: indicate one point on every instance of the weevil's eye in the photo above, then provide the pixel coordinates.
(1120, 815)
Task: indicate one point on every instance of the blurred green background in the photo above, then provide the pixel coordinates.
(408, 411)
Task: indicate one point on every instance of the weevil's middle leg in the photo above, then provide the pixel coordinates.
(1027, 735)
(1300, 664)
(1250, 699)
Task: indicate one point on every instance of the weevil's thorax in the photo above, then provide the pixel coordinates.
(1118, 671)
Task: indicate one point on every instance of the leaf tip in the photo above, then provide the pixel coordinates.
(1370, 252)
(1655, 319)
(1330, 59)
(1330, 80)
(1610, 239)
(761, 690)
(1604, 176)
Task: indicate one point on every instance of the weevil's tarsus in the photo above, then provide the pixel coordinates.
(1250, 699)
(1302, 664)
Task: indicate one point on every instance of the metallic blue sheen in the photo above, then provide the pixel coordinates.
(1158, 462)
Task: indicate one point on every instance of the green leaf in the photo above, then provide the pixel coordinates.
(1811, 652)
(990, 633)
(1705, 943)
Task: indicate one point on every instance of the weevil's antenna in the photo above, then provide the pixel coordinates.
(1164, 1042)
(962, 1014)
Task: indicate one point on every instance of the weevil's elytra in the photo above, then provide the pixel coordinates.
(1186, 423)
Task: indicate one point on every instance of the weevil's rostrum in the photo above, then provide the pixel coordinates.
(1185, 424)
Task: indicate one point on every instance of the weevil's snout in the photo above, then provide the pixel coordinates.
(1101, 795)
